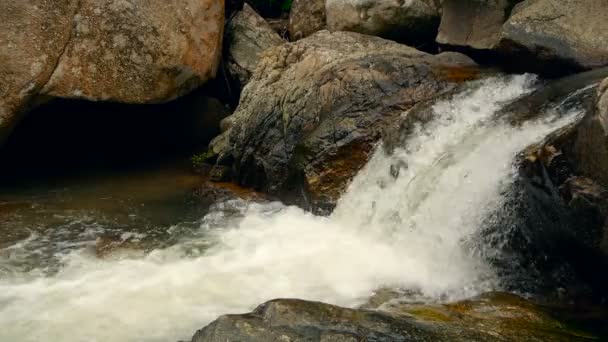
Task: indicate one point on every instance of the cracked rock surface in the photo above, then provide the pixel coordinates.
(132, 51)
(314, 109)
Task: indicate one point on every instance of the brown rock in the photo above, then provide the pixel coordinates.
(306, 17)
(133, 51)
(33, 35)
(139, 51)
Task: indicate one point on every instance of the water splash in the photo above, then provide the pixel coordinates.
(411, 232)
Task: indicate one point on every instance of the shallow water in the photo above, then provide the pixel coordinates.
(183, 266)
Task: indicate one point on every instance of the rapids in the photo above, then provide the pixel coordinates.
(414, 232)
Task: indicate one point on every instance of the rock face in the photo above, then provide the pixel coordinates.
(474, 24)
(591, 147)
(492, 317)
(591, 156)
(558, 33)
(248, 35)
(132, 51)
(314, 109)
(412, 21)
(33, 34)
(305, 18)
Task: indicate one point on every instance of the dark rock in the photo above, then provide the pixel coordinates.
(220, 173)
(412, 22)
(492, 317)
(306, 17)
(591, 146)
(247, 36)
(314, 109)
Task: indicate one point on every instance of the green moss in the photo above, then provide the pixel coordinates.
(198, 160)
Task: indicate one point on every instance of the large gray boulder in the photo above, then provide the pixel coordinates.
(306, 17)
(132, 51)
(248, 35)
(412, 21)
(558, 34)
(473, 24)
(314, 109)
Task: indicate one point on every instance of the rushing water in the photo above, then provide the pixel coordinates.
(412, 232)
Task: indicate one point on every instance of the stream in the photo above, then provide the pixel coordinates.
(134, 256)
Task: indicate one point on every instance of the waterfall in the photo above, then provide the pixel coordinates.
(412, 231)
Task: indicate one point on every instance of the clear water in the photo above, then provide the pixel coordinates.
(413, 232)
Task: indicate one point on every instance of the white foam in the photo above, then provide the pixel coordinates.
(407, 232)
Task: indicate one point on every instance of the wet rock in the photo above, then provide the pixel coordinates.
(306, 17)
(123, 51)
(247, 36)
(591, 145)
(411, 22)
(473, 24)
(492, 317)
(314, 109)
(556, 36)
(118, 246)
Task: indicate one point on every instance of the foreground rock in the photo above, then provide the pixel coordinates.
(314, 109)
(306, 17)
(557, 34)
(248, 35)
(492, 317)
(124, 51)
(412, 22)
(473, 24)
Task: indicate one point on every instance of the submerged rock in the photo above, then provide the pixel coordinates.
(123, 51)
(412, 22)
(491, 317)
(306, 17)
(248, 35)
(553, 35)
(314, 109)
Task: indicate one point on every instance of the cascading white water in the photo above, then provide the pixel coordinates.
(407, 232)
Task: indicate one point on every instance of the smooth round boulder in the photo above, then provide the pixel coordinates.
(130, 51)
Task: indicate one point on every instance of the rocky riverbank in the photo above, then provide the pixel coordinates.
(295, 107)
